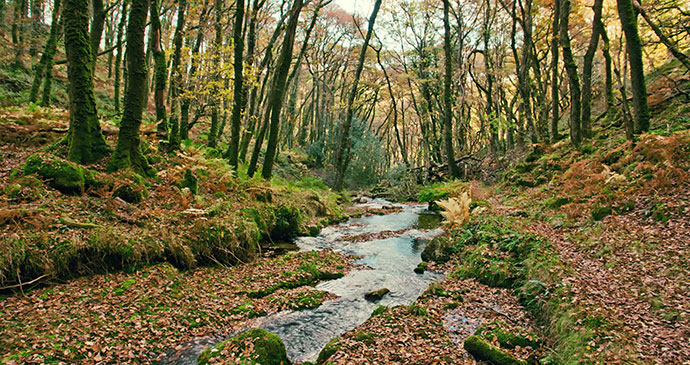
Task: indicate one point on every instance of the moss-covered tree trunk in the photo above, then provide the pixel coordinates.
(587, 70)
(344, 142)
(118, 57)
(97, 24)
(555, 102)
(606, 51)
(18, 33)
(46, 62)
(215, 94)
(278, 88)
(571, 69)
(637, 81)
(161, 72)
(36, 21)
(239, 90)
(86, 142)
(448, 95)
(176, 77)
(128, 151)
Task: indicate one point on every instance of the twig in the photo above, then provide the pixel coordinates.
(20, 285)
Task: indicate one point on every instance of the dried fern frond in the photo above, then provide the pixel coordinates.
(456, 211)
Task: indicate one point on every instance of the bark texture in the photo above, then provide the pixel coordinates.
(86, 142)
(637, 81)
(128, 151)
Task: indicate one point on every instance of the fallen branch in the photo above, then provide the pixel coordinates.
(20, 285)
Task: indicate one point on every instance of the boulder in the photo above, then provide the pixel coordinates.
(65, 176)
(376, 295)
(437, 250)
(267, 348)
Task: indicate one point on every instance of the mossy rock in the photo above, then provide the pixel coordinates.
(376, 295)
(331, 348)
(508, 339)
(65, 176)
(134, 188)
(267, 348)
(421, 267)
(437, 250)
(287, 223)
(485, 351)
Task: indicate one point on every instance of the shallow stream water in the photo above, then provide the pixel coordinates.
(389, 263)
(385, 263)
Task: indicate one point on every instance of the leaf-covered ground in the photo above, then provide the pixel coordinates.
(121, 317)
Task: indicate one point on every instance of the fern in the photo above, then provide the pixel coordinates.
(456, 211)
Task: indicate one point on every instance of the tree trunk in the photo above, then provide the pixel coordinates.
(86, 142)
(606, 51)
(176, 77)
(555, 101)
(36, 21)
(185, 104)
(571, 69)
(634, 46)
(587, 71)
(161, 70)
(344, 143)
(128, 152)
(215, 95)
(239, 91)
(278, 88)
(97, 24)
(46, 62)
(118, 58)
(18, 33)
(448, 95)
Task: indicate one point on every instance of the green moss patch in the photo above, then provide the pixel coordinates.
(254, 346)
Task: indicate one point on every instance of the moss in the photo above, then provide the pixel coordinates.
(267, 348)
(132, 189)
(331, 348)
(421, 267)
(287, 223)
(365, 337)
(436, 290)
(62, 175)
(248, 309)
(417, 310)
(437, 250)
(484, 351)
(508, 339)
(489, 270)
(556, 202)
(310, 300)
(25, 188)
(379, 310)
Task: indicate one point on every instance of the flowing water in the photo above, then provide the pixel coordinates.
(389, 263)
(386, 263)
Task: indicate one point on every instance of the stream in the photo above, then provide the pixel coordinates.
(384, 263)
